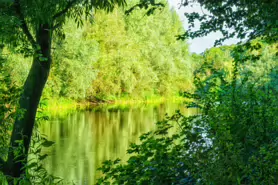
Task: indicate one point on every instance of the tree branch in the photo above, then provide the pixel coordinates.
(23, 25)
(64, 11)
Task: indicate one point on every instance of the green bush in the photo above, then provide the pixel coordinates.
(233, 141)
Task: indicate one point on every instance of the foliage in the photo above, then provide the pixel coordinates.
(249, 19)
(72, 70)
(32, 25)
(139, 55)
(219, 59)
(115, 56)
(35, 171)
(9, 95)
(169, 59)
(233, 141)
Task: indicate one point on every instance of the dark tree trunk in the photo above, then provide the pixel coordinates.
(29, 101)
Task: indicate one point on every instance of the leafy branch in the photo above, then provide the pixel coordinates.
(65, 10)
(23, 25)
(150, 4)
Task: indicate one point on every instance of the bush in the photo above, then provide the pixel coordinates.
(233, 141)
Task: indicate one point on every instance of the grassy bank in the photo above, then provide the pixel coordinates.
(53, 106)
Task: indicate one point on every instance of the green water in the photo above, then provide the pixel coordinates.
(83, 140)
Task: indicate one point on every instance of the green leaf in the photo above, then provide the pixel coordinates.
(42, 157)
(43, 59)
(32, 165)
(47, 143)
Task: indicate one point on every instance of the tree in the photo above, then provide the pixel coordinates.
(139, 54)
(246, 19)
(33, 24)
(72, 68)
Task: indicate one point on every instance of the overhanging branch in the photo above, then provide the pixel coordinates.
(23, 25)
(64, 11)
(148, 4)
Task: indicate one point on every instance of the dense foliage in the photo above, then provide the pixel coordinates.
(101, 60)
(233, 140)
(243, 19)
(8, 100)
(116, 56)
(9, 95)
(140, 55)
(29, 26)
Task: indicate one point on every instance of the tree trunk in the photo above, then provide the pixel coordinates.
(29, 101)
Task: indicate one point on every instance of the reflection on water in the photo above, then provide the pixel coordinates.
(83, 140)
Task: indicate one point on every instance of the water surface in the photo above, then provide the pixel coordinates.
(84, 139)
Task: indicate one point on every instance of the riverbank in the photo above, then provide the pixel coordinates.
(65, 105)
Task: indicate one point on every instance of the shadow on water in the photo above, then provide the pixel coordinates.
(84, 139)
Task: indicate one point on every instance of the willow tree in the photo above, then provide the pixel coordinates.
(31, 25)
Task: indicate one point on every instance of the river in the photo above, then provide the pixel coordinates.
(84, 139)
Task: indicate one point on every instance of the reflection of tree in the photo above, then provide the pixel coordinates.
(85, 139)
